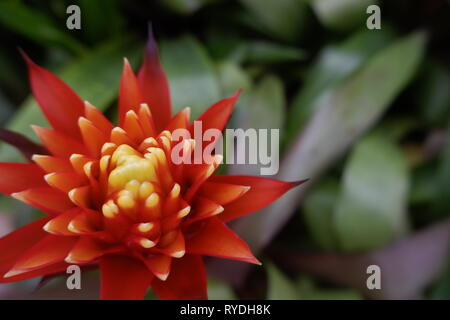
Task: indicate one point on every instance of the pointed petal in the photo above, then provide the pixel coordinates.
(214, 238)
(132, 127)
(86, 250)
(58, 267)
(58, 143)
(81, 196)
(49, 250)
(60, 104)
(22, 143)
(186, 281)
(218, 114)
(59, 224)
(199, 174)
(119, 136)
(52, 164)
(146, 121)
(222, 193)
(154, 85)
(93, 137)
(130, 96)
(97, 118)
(65, 181)
(177, 248)
(180, 120)
(16, 177)
(78, 161)
(203, 208)
(123, 278)
(14, 244)
(263, 191)
(86, 222)
(159, 265)
(47, 199)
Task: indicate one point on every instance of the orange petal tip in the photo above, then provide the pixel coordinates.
(13, 272)
(162, 276)
(178, 254)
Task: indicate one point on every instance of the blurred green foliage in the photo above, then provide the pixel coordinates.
(301, 63)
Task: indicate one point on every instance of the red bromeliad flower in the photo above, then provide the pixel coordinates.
(115, 200)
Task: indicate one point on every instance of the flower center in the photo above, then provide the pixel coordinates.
(131, 167)
(143, 205)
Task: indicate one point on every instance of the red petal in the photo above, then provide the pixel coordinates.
(58, 143)
(180, 120)
(130, 96)
(81, 196)
(52, 164)
(16, 177)
(159, 265)
(86, 250)
(214, 238)
(119, 136)
(86, 222)
(203, 208)
(222, 193)
(60, 104)
(123, 278)
(263, 191)
(51, 249)
(47, 199)
(176, 248)
(133, 128)
(97, 118)
(58, 225)
(93, 137)
(186, 281)
(146, 121)
(218, 114)
(14, 244)
(59, 267)
(154, 85)
(65, 181)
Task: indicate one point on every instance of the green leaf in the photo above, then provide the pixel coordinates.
(267, 52)
(5, 108)
(282, 18)
(441, 203)
(185, 6)
(192, 78)
(10, 79)
(371, 209)
(264, 107)
(342, 14)
(232, 77)
(441, 290)
(433, 95)
(219, 290)
(95, 77)
(342, 116)
(333, 65)
(36, 26)
(261, 108)
(101, 19)
(310, 291)
(280, 287)
(318, 210)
